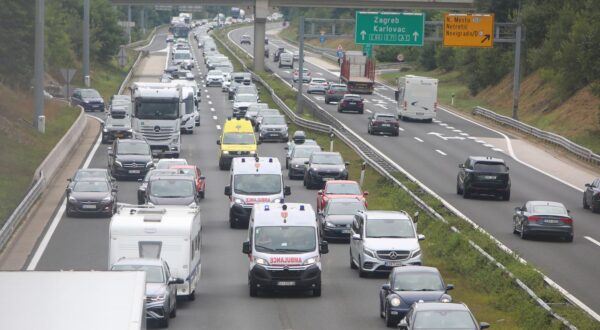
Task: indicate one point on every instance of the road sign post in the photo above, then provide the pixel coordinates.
(469, 30)
(368, 50)
(68, 74)
(398, 29)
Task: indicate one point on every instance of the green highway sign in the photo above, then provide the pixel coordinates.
(398, 29)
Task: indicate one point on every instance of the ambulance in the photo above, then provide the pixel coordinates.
(284, 250)
(253, 180)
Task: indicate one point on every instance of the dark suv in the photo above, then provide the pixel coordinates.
(324, 166)
(88, 99)
(483, 175)
(129, 158)
(591, 196)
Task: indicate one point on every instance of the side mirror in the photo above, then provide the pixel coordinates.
(386, 287)
(286, 148)
(287, 191)
(289, 122)
(246, 248)
(218, 142)
(324, 247)
(70, 180)
(484, 325)
(449, 287)
(403, 325)
(320, 193)
(588, 185)
(227, 190)
(518, 209)
(347, 163)
(421, 237)
(416, 217)
(110, 153)
(258, 142)
(114, 190)
(461, 165)
(356, 237)
(140, 180)
(176, 281)
(202, 177)
(306, 162)
(365, 193)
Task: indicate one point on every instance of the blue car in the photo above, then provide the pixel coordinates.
(407, 285)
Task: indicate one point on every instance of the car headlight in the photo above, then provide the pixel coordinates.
(416, 253)
(395, 301)
(130, 130)
(446, 299)
(238, 201)
(160, 297)
(311, 261)
(329, 224)
(175, 140)
(107, 199)
(261, 261)
(72, 199)
(118, 163)
(150, 164)
(105, 130)
(370, 253)
(314, 169)
(297, 165)
(225, 152)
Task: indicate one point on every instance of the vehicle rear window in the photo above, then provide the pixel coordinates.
(352, 97)
(343, 189)
(385, 117)
(549, 210)
(489, 167)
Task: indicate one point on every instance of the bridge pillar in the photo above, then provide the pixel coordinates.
(261, 11)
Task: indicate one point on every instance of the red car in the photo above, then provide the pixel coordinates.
(198, 177)
(340, 189)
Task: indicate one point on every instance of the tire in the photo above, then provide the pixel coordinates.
(252, 289)
(569, 238)
(369, 131)
(290, 175)
(173, 313)
(466, 193)
(164, 323)
(595, 208)
(287, 164)
(231, 223)
(192, 296)
(390, 322)
(585, 204)
(396, 133)
(352, 264)
(523, 233)
(70, 214)
(361, 273)
(326, 101)
(515, 231)
(202, 193)
(458, 190)
(317, 291)
(506, 196)
(361, 112)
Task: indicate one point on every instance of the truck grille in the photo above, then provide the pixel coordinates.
(151, 134)
(134, 165)
(393, 254)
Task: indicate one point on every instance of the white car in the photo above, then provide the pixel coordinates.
(214, 78)
(241, 103)
(382, 240)
(317, 85)
(305, 75)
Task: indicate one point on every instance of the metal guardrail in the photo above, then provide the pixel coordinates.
(384, 166)
(549, 137)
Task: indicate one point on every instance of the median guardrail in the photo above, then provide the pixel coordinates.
(385, 166)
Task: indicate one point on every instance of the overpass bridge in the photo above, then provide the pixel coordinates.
(262, 9)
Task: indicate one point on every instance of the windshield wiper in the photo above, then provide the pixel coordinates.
(391, 236)
(264, 247)
(171, 196)
(292, 250)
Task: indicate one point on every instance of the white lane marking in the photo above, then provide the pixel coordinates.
(443, 124)
(212, 109)
(207, 96)
(592, 240)
(498, 149)
(215, 117)
(488, 145)
(440, 152)
(436, 121)
(206, 91)
(479, 141)
(286, 71)
(218, 127)
(446, 138)
(416, 138)
(369, 111)
(210, 102)
(472, 138)
(319, 98)
(63, 207)
(319, 73)
(464, 134)
(401, 129)
(457, 131)
(449, 127)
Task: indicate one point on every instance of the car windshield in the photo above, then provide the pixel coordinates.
(327, 159)
(304, 152)
(166, 164)
(81, 175)
(90, 93)
(133, 149)
(238, 138)
(154, 274)
(257, 184)
(91, 186)
(489, 167)
(318, 81)
(390, 228)
(273, 120)
(168, 109)
(343, 208)
(172, 188)
(343, 189)
(245, 98)
(419, 281)
(285, 239)
(443, 319)
(158, 172)
(185, 171)
(215, 73)
(549, 210)
(246, 89)
(182, 56)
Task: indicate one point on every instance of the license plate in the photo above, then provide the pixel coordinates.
(550, 221)
(134, 171)
(352, 103)
(385, 125)
(273, 134)
(286, 283)
(119, 135)
(489, 177)
(92, 207)
(420, 113)
(393, 263)
(346, 231)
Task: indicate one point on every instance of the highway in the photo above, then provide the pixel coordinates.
(222, 301)
(432, 152)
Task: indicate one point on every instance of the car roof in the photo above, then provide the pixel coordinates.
(92, 179)
(382, 215)
(330, 182)
(486, 159)
(253, 165)
(420, 269)
(325, 152)
(433, 306)
(272, 214)
(139, 261)
(345, 200)
(131, 141)
(92, 170)
(352, 95)
(178, 176)
(537, 203)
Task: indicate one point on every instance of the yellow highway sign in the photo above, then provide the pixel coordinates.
(469, 30)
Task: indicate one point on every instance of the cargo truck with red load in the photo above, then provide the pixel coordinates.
(358, 72)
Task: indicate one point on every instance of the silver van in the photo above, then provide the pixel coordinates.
(286, 59)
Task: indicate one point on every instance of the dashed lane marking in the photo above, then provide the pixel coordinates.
(457, 131)
(464, 134)
(488, 145)
(401, 129)
(369, 111)
(479, 141)
(416, 138)
(440, 152)
(215, 117)
(218, 127)
(449, 127)
(212, 109)
(592, 240)
(498, 149)
(210, 102)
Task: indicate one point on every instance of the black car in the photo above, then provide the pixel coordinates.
(591, 196)
(278, 52)
(92, 196)
(483, 175)
(116, 126)
(383, 123)
(351, 102)
(299, 155)
(129, 158)
(543, 218)
(177, 189)
(88, 99)
(323, 166)
(335, 220)
(141, 192)
(437, 315)
(89, 173)
(407, 285)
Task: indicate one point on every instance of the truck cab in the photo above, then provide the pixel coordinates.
(284, 249)
(253, 180)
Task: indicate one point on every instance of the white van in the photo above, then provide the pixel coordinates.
(284, 248)
(286, 59)
(417, 98)
(253, 180)
(169, 232)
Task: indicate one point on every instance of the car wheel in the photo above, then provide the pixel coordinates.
(287, 164)
(253, 290)
(585, 204)
(231, 223)
(515, 231)
(69, 213)
(361, 112)
(361, 272)
(523, 233)
(466, 193)
(569, 238)
(290, 175)
(369, 131)
(390, 321)
(506, 196)
(202, 194)
(317, 291)
(595, 207)
(192, 296)
(326, 101)
(173, 313)
(458, 190)
(164, 323)
(352, 264)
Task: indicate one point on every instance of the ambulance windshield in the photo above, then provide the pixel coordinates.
(285, 239)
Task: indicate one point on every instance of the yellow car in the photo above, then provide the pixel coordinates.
(237, 140)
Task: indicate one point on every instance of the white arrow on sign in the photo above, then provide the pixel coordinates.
(446, 138)
(416, 35)
(363, 33)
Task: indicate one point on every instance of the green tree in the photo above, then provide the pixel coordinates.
(106, 35)
(17, 39)
(427, 58)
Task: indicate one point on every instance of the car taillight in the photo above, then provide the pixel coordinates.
(534, 219)
(567, 221)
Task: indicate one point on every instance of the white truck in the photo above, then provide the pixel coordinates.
(70, 300)
(191, 99)
(157, 111)
(172, 233)
(417, 98)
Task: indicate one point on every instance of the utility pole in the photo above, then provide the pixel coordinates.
(86, 43)
(300, 66)
(38, 76)
(517, 71)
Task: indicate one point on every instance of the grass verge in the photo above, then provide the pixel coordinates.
(492, 295)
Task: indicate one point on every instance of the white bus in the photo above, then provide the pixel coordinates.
(169, 232)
